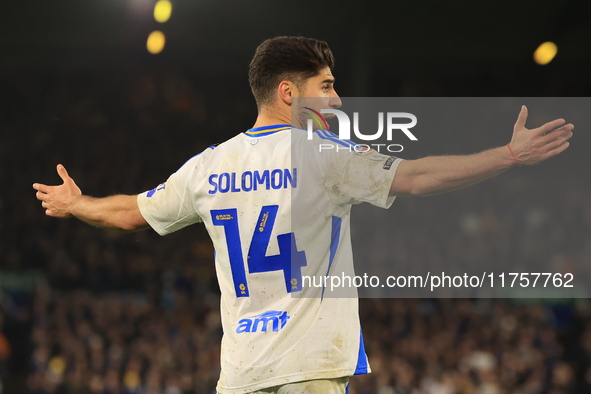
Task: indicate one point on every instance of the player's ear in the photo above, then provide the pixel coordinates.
(286, 91)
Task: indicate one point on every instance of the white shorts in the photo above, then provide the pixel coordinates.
(321, 386)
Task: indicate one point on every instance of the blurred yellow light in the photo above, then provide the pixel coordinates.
(545, 53)
(156, 42)
(57, 365)
(131, 379)
(162, 10)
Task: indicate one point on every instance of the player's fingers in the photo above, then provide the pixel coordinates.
(44, 204)
(559, 149)
(61, 171)
(553, 144)
(42, 188)
(556, 143)
(521, 118)
(562, 132)
(550, 126)
(41, 196)
(566, 127)
(49, 212)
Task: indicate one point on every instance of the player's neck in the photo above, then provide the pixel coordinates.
(270, 117)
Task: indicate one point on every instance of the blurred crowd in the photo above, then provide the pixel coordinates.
(480, 346)
(136, 313)
(115, 134)
(117, 343)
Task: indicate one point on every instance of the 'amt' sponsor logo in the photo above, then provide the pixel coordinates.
(253, 323)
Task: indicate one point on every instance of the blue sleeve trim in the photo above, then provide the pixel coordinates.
(334, 244)
(361, 367)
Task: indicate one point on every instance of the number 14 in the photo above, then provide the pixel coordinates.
(289, 260)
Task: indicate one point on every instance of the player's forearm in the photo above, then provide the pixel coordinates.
(440, 174)
(118, 212)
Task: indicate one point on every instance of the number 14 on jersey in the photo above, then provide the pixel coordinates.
(289, 260)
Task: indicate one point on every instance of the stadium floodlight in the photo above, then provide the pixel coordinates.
(545, 53)
(162, 10)
(156, 41)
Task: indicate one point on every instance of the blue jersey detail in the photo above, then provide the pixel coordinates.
(327, 135)
(209, 147)
(252, 180)
(163, 185)
(267, 130)
(334, 244)
(228, 218)
(361, 367)
(293, 180)
(289, 260)
(154, 190)
(259, 179)
(278, 319)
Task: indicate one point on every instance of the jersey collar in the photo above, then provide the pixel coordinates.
(266, 130)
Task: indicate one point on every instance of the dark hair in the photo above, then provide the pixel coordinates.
(286, 58)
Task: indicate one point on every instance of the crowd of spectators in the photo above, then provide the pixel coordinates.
(473, 346)
(115, 343)
(126, 343)
(136, 131)
(136, 313)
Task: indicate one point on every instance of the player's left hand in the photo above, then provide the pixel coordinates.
(536, 145)
(58, 200)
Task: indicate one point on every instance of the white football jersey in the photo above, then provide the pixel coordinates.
(277, 208)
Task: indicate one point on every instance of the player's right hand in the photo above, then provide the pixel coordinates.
(58, 200)
(536, 145)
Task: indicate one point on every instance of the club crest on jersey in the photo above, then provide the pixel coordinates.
(262, 321)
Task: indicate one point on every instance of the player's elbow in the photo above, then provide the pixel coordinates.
(430, 186)
(420, 190)
(410, 180)
(408, 186)
(126, 227)
(132, 221)
(131, 227)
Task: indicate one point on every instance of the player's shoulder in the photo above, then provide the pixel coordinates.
(198, 158)
(322, 143)
(222, 147)
(305, 137)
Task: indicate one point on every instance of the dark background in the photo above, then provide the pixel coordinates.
(83, 310)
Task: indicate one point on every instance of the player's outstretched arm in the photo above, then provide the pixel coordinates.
(440, 174)
(119, 212)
